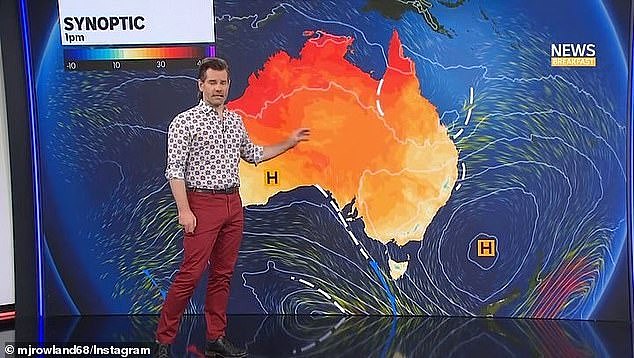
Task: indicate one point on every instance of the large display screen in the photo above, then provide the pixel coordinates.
(467, 157)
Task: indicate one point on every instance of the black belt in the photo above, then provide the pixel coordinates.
(231, 190)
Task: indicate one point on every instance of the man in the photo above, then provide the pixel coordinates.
(204, 147)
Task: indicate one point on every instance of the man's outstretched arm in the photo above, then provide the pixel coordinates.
(272, 151)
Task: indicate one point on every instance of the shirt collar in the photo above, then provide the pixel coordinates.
(208, 109)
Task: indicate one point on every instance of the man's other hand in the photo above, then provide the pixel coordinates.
(187, 219)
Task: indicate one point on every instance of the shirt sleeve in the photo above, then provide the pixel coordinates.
(248, 150)
(178, 143)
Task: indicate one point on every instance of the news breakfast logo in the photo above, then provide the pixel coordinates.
(573, 55)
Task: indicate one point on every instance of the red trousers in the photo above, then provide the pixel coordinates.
(215, 240)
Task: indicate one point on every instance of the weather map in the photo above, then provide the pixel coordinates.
(403, 153)
(451, 169)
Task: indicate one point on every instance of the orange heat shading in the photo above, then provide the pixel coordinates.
(387, 150)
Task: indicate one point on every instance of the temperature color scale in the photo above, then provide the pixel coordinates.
(136, 58)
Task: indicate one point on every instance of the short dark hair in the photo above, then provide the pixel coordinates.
(215, 63)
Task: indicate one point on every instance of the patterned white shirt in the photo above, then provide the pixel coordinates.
(205, 151)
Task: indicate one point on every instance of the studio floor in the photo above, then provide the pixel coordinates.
(351, 336)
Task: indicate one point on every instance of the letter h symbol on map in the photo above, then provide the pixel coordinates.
(271, 178)
(486, 248)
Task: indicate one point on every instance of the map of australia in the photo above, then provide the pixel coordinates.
(378, 142)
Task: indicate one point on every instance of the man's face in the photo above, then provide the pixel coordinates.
(215, 87)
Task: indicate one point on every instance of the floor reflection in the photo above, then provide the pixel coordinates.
(345, 336)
